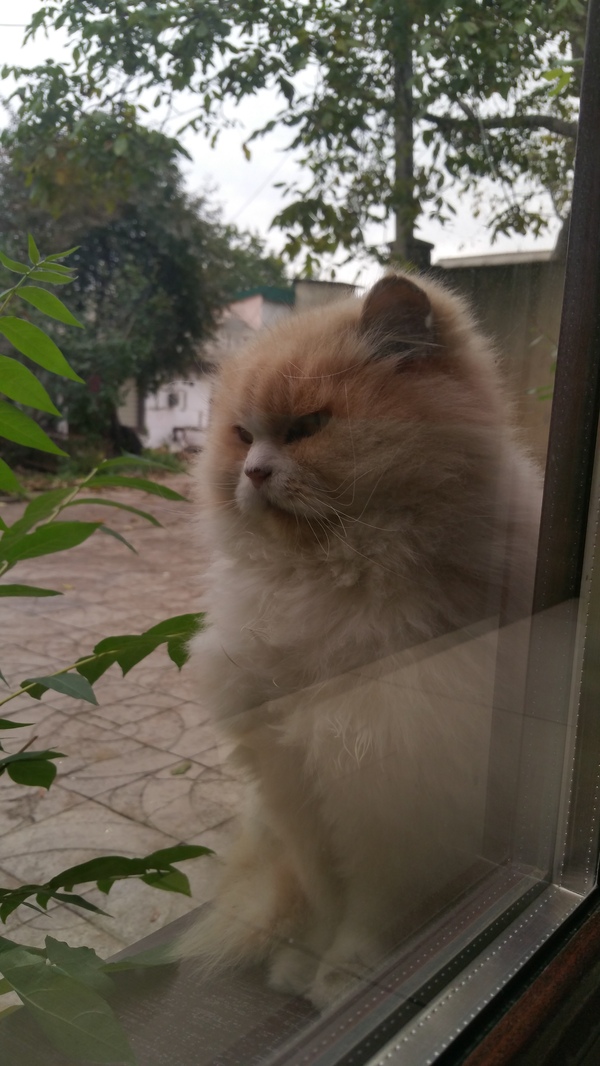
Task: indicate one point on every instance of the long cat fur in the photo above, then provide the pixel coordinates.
(338, 576)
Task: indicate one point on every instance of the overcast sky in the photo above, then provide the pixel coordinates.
(244, 189)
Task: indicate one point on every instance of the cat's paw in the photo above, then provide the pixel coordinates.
(292, 970)
(334, 980)
(330, 985)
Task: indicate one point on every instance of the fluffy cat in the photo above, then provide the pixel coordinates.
(368, 511)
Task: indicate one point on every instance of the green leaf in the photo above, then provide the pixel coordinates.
(177, 651)
(34, 254)
(172, 881)
(17, 426)
(31, 341)
(128, 651)
(77, 901)
(11, 904)
(182, 626)
(142, 484)
(73, 685)
(115, 503)
(37, 510)
(9, 945)
(94, 667)
(37, 773)
(182, 768)
(111, 867)
(121, 145)
(54, 537)
(49, 304)
(118, 536)
(73, 1016)
(58, 268)
(132, 460)
(177, 853)
(51, 277)
(26, 590)
(179, 632)
(5, 723)
(17, 382)
(8, 481)
(25, 756)
(83, 964)
(61, 255)
(11, 264)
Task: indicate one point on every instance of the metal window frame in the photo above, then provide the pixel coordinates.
(566, 686)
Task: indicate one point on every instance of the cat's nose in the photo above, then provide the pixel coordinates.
(258, 474)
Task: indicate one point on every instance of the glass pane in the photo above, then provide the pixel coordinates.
(403, 675)
(417, 794)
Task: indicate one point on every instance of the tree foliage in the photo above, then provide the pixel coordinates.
(484, 90)
(152, 267)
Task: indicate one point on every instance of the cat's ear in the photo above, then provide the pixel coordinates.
(397, 315)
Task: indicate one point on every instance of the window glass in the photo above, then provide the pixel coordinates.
(402, 638)
(432, 806)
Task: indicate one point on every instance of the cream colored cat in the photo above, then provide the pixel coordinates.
(369, 516)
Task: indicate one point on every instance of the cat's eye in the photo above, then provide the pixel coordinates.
(244, 435)
(306, 426)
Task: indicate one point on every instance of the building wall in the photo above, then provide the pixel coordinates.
(519, 305)
(309, 294)
(177, 415)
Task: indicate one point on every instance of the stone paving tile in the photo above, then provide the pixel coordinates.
(184, 729)
(120, 787)
(40, 851)
(64, 923)
(24, 806)
(182, 799)
(95, 778)
(131, 710)
(84, 744)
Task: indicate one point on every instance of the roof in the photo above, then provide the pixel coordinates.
(495, 259)
(273, 293)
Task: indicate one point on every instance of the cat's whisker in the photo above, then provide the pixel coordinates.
(340, 489)
(385, 471)
(370, 559)
(341, 515)
(309, 523)
(351, 441)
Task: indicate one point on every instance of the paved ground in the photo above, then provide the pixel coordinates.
(143, 770)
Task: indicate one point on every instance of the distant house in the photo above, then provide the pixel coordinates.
(176, 416)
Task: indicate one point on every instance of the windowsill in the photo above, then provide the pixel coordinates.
(433, 987)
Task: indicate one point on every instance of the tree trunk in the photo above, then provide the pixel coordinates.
(559, 252)
(403, 203)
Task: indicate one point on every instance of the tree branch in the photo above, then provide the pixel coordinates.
(551, 123)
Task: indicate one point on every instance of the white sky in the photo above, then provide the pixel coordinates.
(243, 189)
